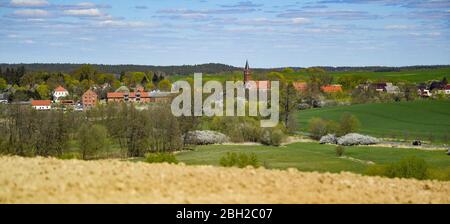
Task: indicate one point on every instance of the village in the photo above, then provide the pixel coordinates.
(62, 98)
(89, 99)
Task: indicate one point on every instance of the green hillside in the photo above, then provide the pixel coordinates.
(424, 119)
(314, 157)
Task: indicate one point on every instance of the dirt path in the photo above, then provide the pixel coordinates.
(43, 180)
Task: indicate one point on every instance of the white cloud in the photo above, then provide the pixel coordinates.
(116, 23)
(86, 38)
(31, 13)
(398, 27)
(300, 20)
(83, 12)
(29, 3)
(28, 42)
(87, 4)
(13, 36)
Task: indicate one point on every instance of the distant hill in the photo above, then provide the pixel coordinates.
(116, 69)
(211, 68)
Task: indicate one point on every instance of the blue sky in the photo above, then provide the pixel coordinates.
(267, 33)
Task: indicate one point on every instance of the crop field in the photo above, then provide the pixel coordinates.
(423, 119)
(50, 180)
(315, 157)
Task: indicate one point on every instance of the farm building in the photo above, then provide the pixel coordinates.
(59, 92)
(41, 104)
(89, 99)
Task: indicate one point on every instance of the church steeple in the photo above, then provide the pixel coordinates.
(247, 73)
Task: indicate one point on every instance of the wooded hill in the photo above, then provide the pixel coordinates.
(211, 68)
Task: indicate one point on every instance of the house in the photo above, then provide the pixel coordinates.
(89, 99)
(59, 92)
(331, 88)
(139, 96)
(300, 86)
(41, 104)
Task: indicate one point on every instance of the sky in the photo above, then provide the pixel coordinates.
(269, 33)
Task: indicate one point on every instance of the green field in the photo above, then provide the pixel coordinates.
(314, 157)
(423, 119)
(413, 75)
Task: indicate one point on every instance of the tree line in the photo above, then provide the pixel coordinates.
(117, 69)
(28, 132)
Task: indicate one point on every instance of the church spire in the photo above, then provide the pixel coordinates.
(247, 73)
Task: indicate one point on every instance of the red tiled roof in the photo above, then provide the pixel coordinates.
(60, 89)
(41, 102)
(130, 95)
(115, 95)
(300, 86)
(331, 88)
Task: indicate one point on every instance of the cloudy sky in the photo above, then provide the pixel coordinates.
(270, 33)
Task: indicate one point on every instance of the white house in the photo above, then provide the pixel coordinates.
(60, 92)
(41, 104)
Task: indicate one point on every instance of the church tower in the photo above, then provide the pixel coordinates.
(247, 73)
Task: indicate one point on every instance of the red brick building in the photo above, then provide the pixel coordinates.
(89, 99)
(138, 97)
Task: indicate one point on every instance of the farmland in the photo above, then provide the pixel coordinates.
(315, 157)
(49, 180)
(423, 119)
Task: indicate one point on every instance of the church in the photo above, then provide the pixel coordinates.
(258, 84)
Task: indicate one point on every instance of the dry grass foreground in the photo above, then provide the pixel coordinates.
(47, 180)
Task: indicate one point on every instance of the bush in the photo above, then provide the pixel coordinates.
(160, 158)
(93, 139)
(439, 174)
(68, 156)
(240, 160)
(205, 137)
(348, 124)
(376, 170)
(340, 150)
(272, 136)
(356, 139)
(328, 139)
(238, 129)
(317, 128)
(410, 167)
